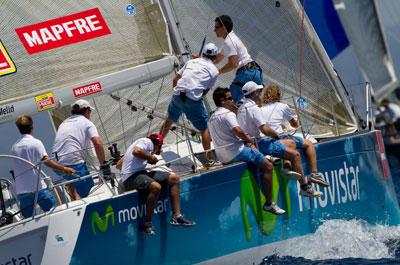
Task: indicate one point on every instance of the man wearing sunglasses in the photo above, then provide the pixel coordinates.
(238, 58)
(228, 138)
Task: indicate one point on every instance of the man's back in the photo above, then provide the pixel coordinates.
(31, 149)
(197, 75)
(72, 137)
(275, 114)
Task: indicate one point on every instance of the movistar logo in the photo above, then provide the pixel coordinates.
(251, 195)
(102, 223)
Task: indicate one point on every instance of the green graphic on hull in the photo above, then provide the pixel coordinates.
(252, 196)
(102, 223)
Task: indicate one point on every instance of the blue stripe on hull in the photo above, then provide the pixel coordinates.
(222, 202)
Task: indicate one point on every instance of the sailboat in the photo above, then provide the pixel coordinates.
(122, 56)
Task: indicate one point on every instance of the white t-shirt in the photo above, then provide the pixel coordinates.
(31, 149)
(250, 118)
(227, 144)
(72, 138)
(275, 114)
(197, 75)
(132, 164)
(234, 46)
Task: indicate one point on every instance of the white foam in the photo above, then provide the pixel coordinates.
(338, 239)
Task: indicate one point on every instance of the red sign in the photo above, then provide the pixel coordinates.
(63, 31)
(87, 90)
(6, 64)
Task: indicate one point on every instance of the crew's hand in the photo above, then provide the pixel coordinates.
(68, 170)
(105, 169)
(153, 160)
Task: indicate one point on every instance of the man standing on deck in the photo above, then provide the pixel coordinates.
(191, 84)
(275, 113)
(228, 138)
(251, 120)
(71, 140)
(135, 176)
(238, 58)
(26, 177)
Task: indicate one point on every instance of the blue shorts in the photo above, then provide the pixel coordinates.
(271, 147)
(84, 186)
(298, 140)
(195, 111)
(250, 156)
(26, 201)
(242, 77)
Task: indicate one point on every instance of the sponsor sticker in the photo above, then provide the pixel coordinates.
(7, 66)
(130, 9)
(6, 111)
(86, 90)
(45, 101)
(63, 31)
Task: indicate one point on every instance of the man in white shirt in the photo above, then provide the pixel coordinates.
(228, 140)
(191, 84)
(275, 113)
(251, 120)
(135, 176)
(238, 58)
(71, 140)
(27, 179)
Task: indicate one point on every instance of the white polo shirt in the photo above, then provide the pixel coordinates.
(250, 118)
(197, 75)
(234, 46)
(227, 144)
(31, 149)
(132, 164)
(275, 114)
(73, 136)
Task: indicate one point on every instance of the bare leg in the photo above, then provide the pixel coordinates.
(267, 168)
(206, 141)
(73, 194)
(295, 159)
(165, 127)
(154, 192)
(174, 184)
(311, 155)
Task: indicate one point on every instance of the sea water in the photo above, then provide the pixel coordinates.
(344, 242)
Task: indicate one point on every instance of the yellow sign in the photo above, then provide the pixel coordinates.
(6, 64)
(45, 101)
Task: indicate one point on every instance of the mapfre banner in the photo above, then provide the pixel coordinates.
(63, 31)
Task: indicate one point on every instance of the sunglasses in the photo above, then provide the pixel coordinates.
(229, 98)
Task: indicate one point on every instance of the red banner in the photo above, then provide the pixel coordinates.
(63, 31)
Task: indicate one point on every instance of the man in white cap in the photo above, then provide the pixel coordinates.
(71, 140)
(252, 121)
(191, 84)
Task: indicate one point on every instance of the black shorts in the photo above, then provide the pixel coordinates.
(142, 179)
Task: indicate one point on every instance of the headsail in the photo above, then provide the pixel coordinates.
(361, 23)
(64, 51)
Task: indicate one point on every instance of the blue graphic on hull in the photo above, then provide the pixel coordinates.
(213, 199)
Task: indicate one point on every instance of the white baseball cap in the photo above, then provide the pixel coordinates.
(82, 104)
(250, 87)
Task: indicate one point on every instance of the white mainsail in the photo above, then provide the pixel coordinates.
(63, 51)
